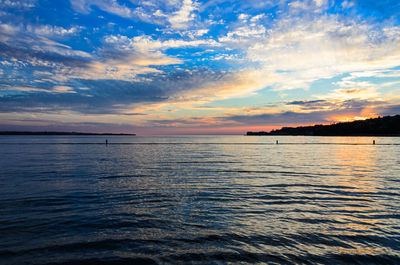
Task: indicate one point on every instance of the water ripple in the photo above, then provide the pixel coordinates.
(199, 201)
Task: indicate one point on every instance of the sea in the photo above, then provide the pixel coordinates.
(199, 200)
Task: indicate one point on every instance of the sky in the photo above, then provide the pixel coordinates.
(196, 66)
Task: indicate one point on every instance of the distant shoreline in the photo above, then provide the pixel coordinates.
(381, 126)
(336, 135)
(61, 133)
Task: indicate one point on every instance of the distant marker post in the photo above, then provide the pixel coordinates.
(106, 141)
(277, 142)
(373, 142)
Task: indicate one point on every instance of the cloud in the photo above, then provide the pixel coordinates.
(391, 109)
(245, 33)
(41, 58)
(329, 105)
(284, 118)
(128, 57)
(18, 38)
(296, 51)
(63, 89)
(54, 89)
(49, 30)
(181, 18)
(109, 96)
(18, 4)
(145, 43)
(22, 49)
(191, 89)
(54, 125)
(312, 104)
(347, 4)
(148, 94)
(110, 6)
(313, 114)
(154, 12)
(193, 122)
(100, 97)
(231, 84)
(125, 68)
(7, 30)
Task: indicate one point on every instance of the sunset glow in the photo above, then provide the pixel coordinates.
(351, 118)
(196, 66)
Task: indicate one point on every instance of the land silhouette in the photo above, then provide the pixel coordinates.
(381, 126)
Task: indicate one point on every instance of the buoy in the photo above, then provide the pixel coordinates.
(276, 141)
(106, 141)
(373, 142)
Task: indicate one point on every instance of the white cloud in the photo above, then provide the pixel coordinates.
(257, 18)
(48, 30)
(37, 38)
(309, 6)
(347, 4)
(298, 51)
(127, 68)
(299, 5)
(143, 54)
(62, 89)
(146, 43)
(244, 34)
(7, 31)
(176, 13)
(110, 6)
(319, 3)
(355, 86)
(243, 16)
(47, 45)
(55, 89)
(181, 18)
(18, 3)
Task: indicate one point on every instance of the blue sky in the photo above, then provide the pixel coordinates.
(186, 66)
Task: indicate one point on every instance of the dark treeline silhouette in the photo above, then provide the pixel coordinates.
(382, 126)
(59, 133)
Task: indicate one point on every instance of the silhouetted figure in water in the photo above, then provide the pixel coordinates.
(373, 142)
(277, 142)
(106, 141)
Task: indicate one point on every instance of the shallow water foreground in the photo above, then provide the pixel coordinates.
(199, 200)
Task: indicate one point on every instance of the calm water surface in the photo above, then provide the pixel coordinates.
(199, 200)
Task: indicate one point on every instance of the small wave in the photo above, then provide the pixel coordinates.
(107, 261)
(224, 257)
(124, 176)
(202, 162)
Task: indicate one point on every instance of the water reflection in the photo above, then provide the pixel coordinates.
(201, 201)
